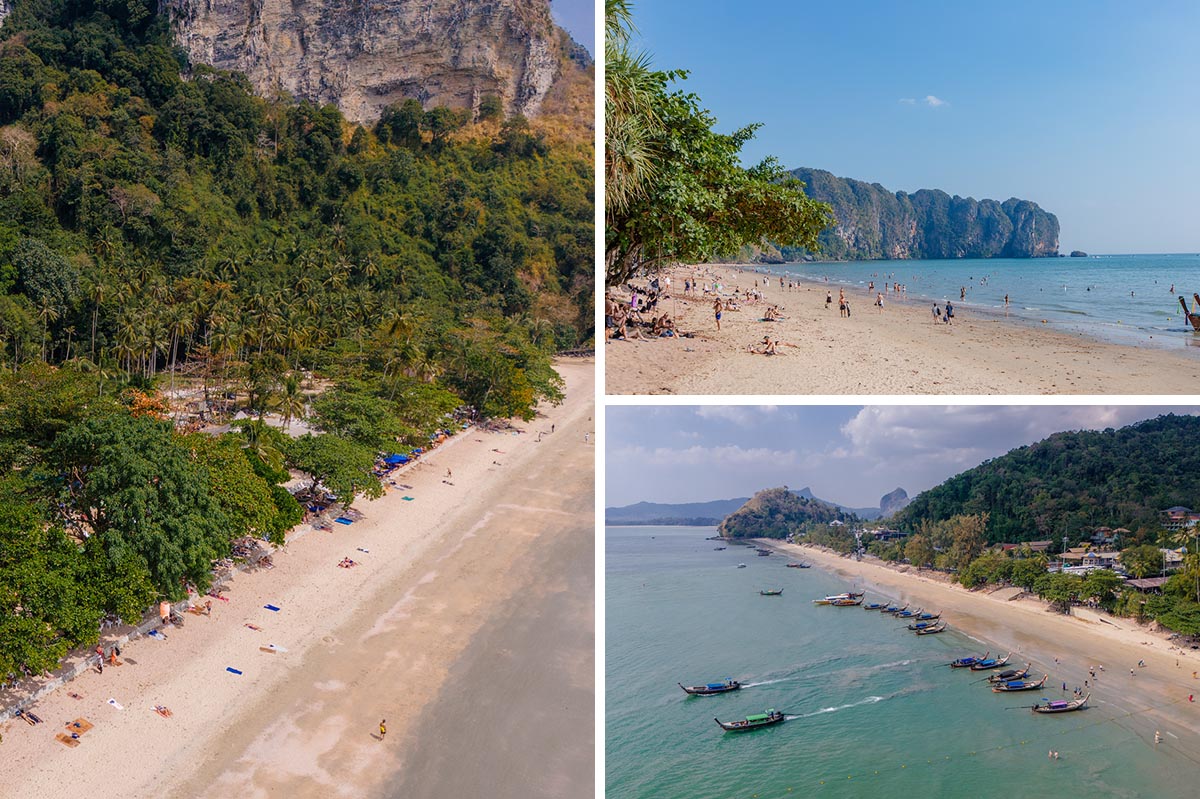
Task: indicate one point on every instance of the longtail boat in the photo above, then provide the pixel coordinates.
(1019, 685)
(709, 689)
(908, 614)
(928, 616)
(855, 594)
(874, 606)
(794, 565)
(846, 603)
(1061, 706)
(771, 592)
(932, 630)
(1010, 674)
(1193, 318)
(921, 625)
(752, 722)
(829, 600)
(893, 609)
(991, 663)
(963, 663)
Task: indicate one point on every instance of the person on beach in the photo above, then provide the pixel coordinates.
(717, 313)
(937, 313)
(949, 313)
(382, 729)
(828, 299)
(879, 302)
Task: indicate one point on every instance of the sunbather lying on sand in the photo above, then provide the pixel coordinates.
(163, 711)
(769, 346)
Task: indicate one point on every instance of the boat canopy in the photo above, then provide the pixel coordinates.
(758, 717)
(716, 685)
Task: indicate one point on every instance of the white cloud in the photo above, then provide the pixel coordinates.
(741, 415)
(700, 455)
(935, 102)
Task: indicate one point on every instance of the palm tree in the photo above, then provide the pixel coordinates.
(631, 123)
(291, 400)
(259, 444)
(47, 313)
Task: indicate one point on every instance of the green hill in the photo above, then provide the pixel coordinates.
(1072, 482)
(777, 513)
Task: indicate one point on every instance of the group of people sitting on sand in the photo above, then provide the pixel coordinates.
(626, 322)
(347, 563)
(772, 314)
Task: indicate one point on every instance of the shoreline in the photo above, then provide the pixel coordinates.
(898, 351)
(1065, 646)
(352, 645)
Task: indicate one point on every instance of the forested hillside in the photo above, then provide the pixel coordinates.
(161, 227)
(1072, 482)
(778, 513)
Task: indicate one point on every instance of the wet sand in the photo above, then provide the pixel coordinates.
(376, 641)
(520, 699)
(898, 351)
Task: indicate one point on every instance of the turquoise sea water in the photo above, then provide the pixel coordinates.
(873, 712)
(1083, 295)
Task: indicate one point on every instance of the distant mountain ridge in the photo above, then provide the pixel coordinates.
(875, 223)
(705, 513)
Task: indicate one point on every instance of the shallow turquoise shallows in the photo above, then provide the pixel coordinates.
(1079, 295)
(872, 710)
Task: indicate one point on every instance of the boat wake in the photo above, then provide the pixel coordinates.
(870, 700)
(768, 682)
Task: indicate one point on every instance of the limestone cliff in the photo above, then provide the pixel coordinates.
(873, 222)
(365, 55)
(891, 502)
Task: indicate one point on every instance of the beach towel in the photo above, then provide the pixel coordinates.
(360, 549)
(271, 608)
(80, 725)
(408, 499)
(232, 670)
(157, 634)
(343, 520)
(63, 738)
(272, 648)
(115, 703)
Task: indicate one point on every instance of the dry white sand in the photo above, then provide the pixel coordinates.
(1156, 696)
(898, 351)
(363, 644)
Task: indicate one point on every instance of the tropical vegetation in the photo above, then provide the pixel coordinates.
(165, 234)
(675, 190)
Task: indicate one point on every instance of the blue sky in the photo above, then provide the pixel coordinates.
(1089, 108)
(579, 18)
(851, 455)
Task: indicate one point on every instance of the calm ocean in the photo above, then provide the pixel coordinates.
(873, 713)
(1082, 295)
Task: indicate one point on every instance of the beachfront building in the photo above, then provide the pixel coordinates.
(1083, 560)
(1178, 518)
(887, 534)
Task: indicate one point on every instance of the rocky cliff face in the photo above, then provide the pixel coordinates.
(365, 55)
(894, 501)
(873, 222)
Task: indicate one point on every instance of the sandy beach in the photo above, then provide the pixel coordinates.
(898, 351)
(1155, 696)
(424, 632)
